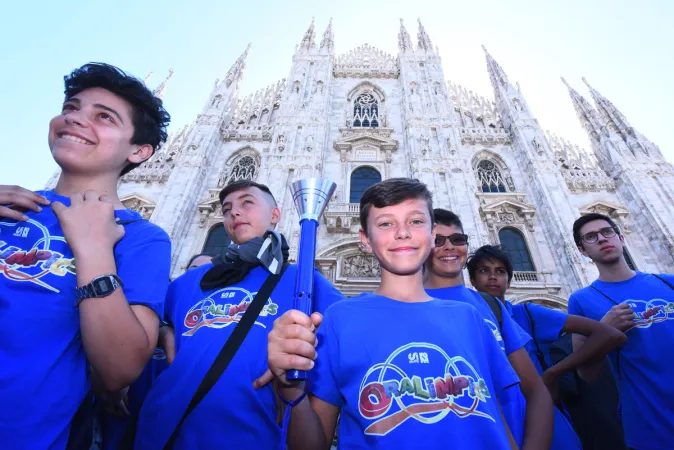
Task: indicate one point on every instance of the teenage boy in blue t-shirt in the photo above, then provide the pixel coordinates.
(405, 369)
(203, 307)
(117, 407)
(491, 271)
(640, 305)
(527, 408)
(96, 272)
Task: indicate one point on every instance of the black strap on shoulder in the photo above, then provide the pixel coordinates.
(664, 281)
(495, 306)
(539, 354)
(220, 363)
(229, 349)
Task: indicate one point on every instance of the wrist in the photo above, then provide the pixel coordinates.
(91, 251)
(290, 392)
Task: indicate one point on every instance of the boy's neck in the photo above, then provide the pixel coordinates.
(404, 288)
(69, 183)
(435, 281)
(613, 273)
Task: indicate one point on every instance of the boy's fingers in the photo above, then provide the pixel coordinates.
(296, 332)
(264, 379)
(294, 316)
(317, 319)
(296, 347)
(22, 192)
(11, 214)
(58, 208)
(23, 202)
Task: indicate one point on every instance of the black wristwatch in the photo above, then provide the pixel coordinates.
(99, 287)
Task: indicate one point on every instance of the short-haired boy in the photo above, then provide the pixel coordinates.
(491, 271)
(406, 370)
(641, 305)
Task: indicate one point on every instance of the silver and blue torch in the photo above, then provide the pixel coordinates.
(311, 197)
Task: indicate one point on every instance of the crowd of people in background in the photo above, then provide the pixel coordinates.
(98, 349)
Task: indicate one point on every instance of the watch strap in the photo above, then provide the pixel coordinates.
(101, 286)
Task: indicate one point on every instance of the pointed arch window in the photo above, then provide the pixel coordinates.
(490, 178)
(217, 241)
(245, 168)
(361, 179)
(366, 111)
(515, 246)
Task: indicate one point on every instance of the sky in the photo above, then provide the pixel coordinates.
(625, 50)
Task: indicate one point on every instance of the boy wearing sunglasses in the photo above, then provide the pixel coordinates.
(530, 423)
(640, 305)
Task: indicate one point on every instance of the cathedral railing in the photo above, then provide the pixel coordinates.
(344, 207)
(526, 277)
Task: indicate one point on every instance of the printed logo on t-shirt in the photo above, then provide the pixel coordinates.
(649, 312)
(223, 308)
(402, 388)
(36, 263)
(496, 332)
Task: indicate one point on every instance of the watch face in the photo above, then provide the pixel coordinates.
(102, 286)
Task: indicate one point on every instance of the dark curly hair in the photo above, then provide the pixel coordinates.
(149, 117)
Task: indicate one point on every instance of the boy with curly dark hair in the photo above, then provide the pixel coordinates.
(82, 278)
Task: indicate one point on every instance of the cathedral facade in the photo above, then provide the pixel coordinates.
(364, 116)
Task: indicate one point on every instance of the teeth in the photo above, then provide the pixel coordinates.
(449, 258)
(74, 139)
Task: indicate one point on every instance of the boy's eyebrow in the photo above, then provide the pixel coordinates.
(229, 203)
(97, 105)
(244, 195)
(110, 110)
(391, 214)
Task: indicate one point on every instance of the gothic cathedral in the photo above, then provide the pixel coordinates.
(364, 116)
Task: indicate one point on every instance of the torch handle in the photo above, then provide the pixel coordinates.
(304, 281)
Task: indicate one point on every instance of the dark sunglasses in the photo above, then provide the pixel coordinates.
(456, 239)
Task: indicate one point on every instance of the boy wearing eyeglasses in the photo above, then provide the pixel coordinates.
(529, 413)
(640, 305)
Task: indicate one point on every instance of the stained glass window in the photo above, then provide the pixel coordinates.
(361, 179)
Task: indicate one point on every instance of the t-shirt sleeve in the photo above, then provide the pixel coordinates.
(143, 260)
(574, 306)
(323, 383)
(502, 373)
(514, 337)
(548, 322)
(325, 293)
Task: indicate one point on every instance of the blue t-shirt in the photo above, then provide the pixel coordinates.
(43, 367)
(547, 324)
(233, 413)
(643, 367)
(411, 374)
(112, 427)
(511, 338)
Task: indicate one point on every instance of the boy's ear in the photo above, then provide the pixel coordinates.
(364, 242)
(142, 153)
(582, 251)
(275, 216)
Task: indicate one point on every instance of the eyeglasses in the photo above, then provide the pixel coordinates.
(592, 236)
(459, 239)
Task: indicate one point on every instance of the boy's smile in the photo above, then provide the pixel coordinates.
(93, 133)
(400, 236)
(449, 259)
